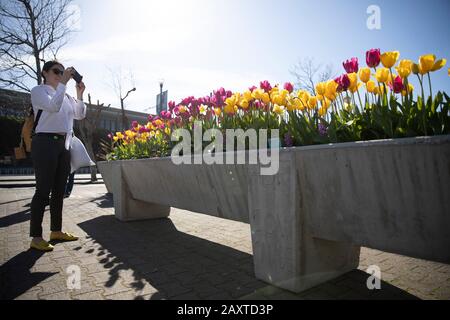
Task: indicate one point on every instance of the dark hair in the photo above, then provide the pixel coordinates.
(48, 65)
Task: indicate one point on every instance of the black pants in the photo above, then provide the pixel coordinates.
(51, 162)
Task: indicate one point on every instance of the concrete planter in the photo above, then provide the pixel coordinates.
(309, 220)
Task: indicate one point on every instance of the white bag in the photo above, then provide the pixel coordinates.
(78, 155)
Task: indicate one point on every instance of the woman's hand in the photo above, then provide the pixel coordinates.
(67, 75)
(80, 89)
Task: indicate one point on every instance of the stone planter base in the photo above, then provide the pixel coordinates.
(309, 220)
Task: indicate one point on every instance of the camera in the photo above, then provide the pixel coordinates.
(76, 76)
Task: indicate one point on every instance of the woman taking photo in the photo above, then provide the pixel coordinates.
(50, 148)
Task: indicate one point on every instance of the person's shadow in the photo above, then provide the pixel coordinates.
(16, 277)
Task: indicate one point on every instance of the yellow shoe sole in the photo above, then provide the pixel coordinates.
(39, 247)
(65, 237)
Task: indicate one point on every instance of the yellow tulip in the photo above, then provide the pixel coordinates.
(439, 64)
(326, 103)
(364, 74)
(116, 138)
(448, 72)
(331, 88)
(426, 63)
(353, 81)
(248, 95)
(217, 111)
(355, 88)
(382, 74)
(404, 68)
(265, 98)
(415, 68)
(370, 86)
(167, 130)
(388, 59)
(320, 88)
(278, 109)
(312, 102)
(243, 104)
(322, 111)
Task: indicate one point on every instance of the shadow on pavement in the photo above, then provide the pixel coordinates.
(105, 201)
(17, 217)
(16, 277)
(183, 266)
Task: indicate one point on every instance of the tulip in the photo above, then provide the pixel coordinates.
(404, 68)
(252, 88)
(343, 82)
(426, 63)
(382, 74)
(439, 64)
(373, 58)
(320, 88)
(330, 91)
(217, 111)
(388, 59)
(351, 65)
(364, 74)
(312, 102)
(265, 85)
(370, 86)
(278, 109)
(415, 68)
(289, 87)
(397, 85)
(134, 124)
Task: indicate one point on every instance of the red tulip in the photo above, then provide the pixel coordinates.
(373, 57)
(351, 65)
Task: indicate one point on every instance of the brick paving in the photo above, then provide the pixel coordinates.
(189, 256)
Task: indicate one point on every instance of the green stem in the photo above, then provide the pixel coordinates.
(429, 82)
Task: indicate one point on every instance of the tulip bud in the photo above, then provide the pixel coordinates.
(415, 68)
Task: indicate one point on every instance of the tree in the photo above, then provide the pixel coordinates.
(307, 74)
(117, 85)
(30, 32)
(87, 127)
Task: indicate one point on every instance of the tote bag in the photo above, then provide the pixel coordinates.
(78, 155)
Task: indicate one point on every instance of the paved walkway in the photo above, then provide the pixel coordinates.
(189, 256)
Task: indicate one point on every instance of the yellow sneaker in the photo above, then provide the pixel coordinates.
(64, 236)
(41, 245)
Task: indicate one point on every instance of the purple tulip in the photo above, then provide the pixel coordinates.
(373, 57)
(351, 65)
(323, 131)
(288, 141)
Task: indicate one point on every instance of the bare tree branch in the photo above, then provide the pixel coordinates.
(307, 74)
(30, 31)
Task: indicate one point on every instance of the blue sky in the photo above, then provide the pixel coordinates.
(197, 46)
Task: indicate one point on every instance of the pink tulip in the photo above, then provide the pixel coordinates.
(134, 124)
(373, 57)
(289, 87)
(265, 85)
(397, 87)
(252, 88)
(351, 65)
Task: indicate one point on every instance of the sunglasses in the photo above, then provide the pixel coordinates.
(58, 71)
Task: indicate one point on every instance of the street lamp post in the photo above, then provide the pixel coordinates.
(123, 109)
(161, 83)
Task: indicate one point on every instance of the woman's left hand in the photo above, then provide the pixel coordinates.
(80, 89)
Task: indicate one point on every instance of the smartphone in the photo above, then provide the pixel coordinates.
(76, 76)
